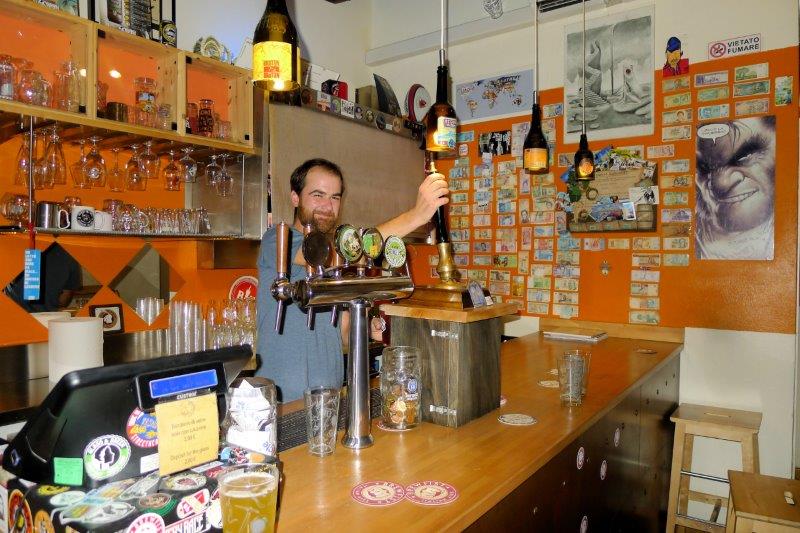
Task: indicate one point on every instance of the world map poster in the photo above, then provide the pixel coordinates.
(496, 97)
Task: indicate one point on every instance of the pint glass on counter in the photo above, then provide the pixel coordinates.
(249, 496)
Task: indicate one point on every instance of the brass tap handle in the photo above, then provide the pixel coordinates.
(282, 232)
(336, 260)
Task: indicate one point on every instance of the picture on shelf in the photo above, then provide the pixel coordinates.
(73, 7)
(111, 314)
(141, 17)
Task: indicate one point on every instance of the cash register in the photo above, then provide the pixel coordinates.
(102, 418)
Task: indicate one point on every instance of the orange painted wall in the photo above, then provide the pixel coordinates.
(734, 295)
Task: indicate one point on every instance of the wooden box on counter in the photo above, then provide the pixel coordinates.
(460, 357)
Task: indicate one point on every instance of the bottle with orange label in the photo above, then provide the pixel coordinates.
(276, 54)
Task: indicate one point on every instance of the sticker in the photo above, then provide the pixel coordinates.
(617, 435)
(141, 488)
(548, 383)
(603, 470)
(214, 512)
(32, 278)
(147, 523)
(194, 503)
(51, 490)
(431, 493)
(243, 287)
(148, 463)
(517, 419)
(110, 490)
(194, 524)
(107, 513)
(141, 429)
(185, 481)
(151, 503)
(377, 493)
(746, 44)
(580, 458)
(106, 456)
(42, 523)
(65, 499)
(19, 513)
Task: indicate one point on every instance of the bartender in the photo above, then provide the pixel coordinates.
(298, 358)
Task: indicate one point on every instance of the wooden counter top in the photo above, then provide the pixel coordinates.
(485, 460)
(463, 316)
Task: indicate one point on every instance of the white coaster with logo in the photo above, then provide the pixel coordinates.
(431, 493)
(377, 493)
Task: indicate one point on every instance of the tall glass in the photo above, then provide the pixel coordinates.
(213, 171)
(55, 163)
(249, 497)
(94, 167)
(41, 178)
(23, 166)
(149, 162)
(188, 166)
(8, 78)
(224, 183)
(573, 374)
(76, 169)
(135, 179)
(116, 177)
(172, 175)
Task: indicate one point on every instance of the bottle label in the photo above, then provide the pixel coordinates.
(445, 132)
(535, 159)
(272, 61)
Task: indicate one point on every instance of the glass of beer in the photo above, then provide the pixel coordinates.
(249, 496)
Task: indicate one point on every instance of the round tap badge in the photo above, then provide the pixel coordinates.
(348, 243)
(377, 493)
(147, 523)
(19, 513)
(42, 523)
(431, 493)
(185, 481)
(106, 456)
(372, 243)
(141, 429)
(394, 251)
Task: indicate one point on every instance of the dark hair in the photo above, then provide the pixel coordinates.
(298, 179)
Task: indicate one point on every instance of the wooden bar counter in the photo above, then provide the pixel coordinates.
(516, 477)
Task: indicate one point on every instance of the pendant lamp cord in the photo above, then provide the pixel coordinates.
(583, 121)
(441, 44)
(536, 52)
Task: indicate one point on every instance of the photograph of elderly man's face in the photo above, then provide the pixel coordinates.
(735, 207)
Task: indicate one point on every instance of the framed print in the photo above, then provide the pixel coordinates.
(79, 8)
(111, 314)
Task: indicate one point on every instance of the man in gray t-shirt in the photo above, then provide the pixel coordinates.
(298, 358)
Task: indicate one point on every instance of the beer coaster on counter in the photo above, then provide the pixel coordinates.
(548, 383)
(517, 419)
(431, 493)
(384, 427)
(503, 400)
(377, 493)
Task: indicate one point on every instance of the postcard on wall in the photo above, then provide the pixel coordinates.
(711, 78)
(784, 86)
(751, 72)
(644, 317)
(495, 142)
(751, 88)
(679, 116)
(759, 106)
(664, 150)
(496, 97)
(674, 166)
(674, 83)
(712, 112)
(619, 76)
(671, 182)
(646, 276)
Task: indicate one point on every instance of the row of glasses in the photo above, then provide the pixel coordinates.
(232, 323)
(14, 207)
(219, 177)
(48, 164)
(148, 308)
(19, 81)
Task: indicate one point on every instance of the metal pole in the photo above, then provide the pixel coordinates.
(31, 201)
(536, 51)
(583, 120)
(357, 432)
(442, 54)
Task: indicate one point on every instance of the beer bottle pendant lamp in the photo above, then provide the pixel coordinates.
(440, 120)
(584, 158)
(534, 155)
(276, 53)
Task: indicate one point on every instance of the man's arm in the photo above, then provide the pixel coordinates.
(432, 193)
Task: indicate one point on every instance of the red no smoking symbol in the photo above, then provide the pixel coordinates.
(717, 49)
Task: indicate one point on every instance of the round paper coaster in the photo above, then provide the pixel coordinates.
(384, 427)
(377, 493)
(517, 419)
(431, 493)
(503, 400)
(548, 383)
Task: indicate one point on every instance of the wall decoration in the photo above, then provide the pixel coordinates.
(619, 76)
(675, 64)
(111, 314)
(735, 189)
(496, 97)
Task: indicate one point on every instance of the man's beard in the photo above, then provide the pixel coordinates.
(324, 222)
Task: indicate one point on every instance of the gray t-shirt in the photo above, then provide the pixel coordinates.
(298, 358)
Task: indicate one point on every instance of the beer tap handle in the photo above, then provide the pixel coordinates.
(310, 269)
(279, 316)
(335, 315)
(310, 318)
(282, 231)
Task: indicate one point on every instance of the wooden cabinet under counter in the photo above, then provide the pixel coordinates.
(516, 477)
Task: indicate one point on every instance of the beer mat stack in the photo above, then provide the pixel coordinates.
(574, 334)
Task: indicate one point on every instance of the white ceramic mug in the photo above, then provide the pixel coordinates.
(82, 218)
(102, 221)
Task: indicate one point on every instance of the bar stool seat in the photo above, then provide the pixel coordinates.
(691, 421)
(763, 503)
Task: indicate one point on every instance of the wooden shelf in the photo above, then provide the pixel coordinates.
(38, 14)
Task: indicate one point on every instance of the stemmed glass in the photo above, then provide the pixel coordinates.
(213, 171)
(41, 178)
(23, 161)
(172, 174)
(188, 166)
(149, 161)
(76, 169)
(95, 166)
(225, 181)
(55, 163)
(134, 176)
(116, 178)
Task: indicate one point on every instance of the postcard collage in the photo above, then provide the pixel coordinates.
(510, 229)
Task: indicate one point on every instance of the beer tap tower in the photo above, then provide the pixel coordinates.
(330, 281)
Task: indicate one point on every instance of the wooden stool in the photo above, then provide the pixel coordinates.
(717, 423)
(763, 503)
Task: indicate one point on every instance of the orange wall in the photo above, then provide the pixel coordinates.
(735, 295)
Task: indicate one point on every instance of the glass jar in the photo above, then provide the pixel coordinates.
(250, 423)
(7, 77)
(145, 101)
(191, 118)
(164, 121)
(205, 118)
(400, 387)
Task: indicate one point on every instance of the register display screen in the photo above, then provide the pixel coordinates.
(181, 384)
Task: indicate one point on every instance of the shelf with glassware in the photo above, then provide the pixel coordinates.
(107, 79)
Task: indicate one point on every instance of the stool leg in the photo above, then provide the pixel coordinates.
(750, 454)
(686, 464)
(675, 476)
(730, 521)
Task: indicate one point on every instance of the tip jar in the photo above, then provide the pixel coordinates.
(400, 387)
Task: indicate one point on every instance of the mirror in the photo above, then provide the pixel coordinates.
(66, 285)
(146, 280)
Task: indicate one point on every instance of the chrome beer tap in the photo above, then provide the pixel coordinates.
(337, 286)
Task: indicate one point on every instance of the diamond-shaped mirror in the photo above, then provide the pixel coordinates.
(65, 285)
(147, 283)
